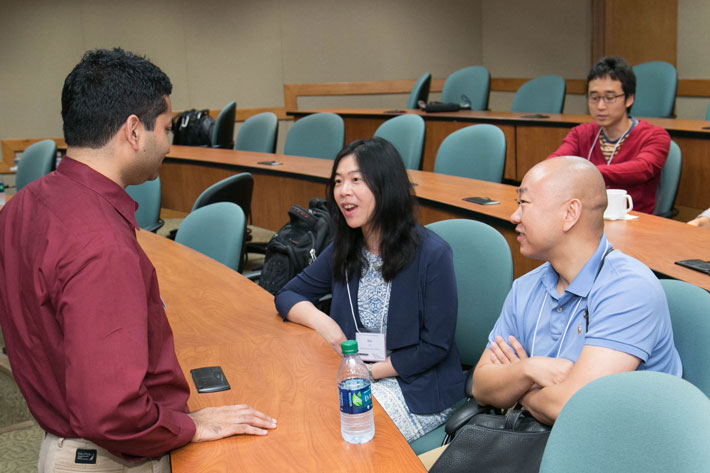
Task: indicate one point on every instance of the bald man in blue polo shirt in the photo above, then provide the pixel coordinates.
(587, 312)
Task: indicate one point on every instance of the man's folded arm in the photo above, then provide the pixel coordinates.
(594, 362)
(499, 385)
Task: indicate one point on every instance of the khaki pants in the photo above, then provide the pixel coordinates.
(430, 457)
(58, 455)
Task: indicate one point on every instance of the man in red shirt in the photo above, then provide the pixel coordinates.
(87, 336)
(630, 153)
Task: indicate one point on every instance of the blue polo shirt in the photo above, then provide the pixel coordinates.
(627, 308)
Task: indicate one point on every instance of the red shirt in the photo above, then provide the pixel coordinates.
(637, 165)
(87, 337)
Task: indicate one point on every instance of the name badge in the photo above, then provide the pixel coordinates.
(371, 346)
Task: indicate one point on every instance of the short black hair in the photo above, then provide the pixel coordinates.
(617, 69)
(394, 216)
(104, 89)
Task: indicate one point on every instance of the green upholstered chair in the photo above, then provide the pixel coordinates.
(148, 197)
(544, 94)
(237, 189)
(656, 84)
(223, 130)
(320, 135)
(484, 275)
(36, 161)
(215, 230)
(406, 133)
(258, 133)
(420, 91)
(635, 422)
(668, 185)
(476, 152)
(468, 85)
(689, 306)
(707, 114)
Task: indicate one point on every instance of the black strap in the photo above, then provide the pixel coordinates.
(599, 270)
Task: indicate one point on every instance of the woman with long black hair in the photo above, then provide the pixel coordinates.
(392, 280)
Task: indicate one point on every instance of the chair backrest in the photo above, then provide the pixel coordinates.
(484, 275)
(707, 114)
(215, 230)
(476, 152)
(320, 135)
(689, 306)
(470, 84)
(544, 94)
(237, 189)
(258, 133)
(656, 84)
(668, 185)
(223, 130)
(420, 91)
(148, 197)
(406, 133)
(36, 161)
(638, 421)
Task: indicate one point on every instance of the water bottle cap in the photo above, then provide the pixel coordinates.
(349, 347)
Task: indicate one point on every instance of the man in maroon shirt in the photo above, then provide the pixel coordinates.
(630, 153)
(86, 333)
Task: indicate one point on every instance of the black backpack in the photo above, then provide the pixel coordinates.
(192, 128)
(296, 244)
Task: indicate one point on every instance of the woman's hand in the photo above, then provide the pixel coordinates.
(700, 222)
(383, 369)
(305, 313)
(331, 333)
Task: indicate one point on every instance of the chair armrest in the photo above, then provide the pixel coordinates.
(468, 384)
(461, 416)
(252, 275)
(155, 227)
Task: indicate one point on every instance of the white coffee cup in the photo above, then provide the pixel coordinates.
(620, 203)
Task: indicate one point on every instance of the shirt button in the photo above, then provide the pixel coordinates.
(559, 309)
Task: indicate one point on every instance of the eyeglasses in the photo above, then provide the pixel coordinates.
(607, 98)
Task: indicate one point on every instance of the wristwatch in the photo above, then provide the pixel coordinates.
(369, 370)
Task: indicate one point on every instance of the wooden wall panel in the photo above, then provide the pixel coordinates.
(637, 30)
(535, 143)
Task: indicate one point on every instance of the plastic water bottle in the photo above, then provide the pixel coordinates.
(357, 425)
(2, 192)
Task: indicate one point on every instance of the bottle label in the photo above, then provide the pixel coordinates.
(355, 401)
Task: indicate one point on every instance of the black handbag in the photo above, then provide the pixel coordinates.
(498, 443)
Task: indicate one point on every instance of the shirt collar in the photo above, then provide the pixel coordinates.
(114, 194)
(582, 283)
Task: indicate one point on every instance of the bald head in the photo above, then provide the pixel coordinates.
(569, 177)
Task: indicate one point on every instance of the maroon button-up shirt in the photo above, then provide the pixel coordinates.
(87, 337)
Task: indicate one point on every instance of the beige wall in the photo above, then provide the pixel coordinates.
(218, 50)
(522, 39)
(693, 47)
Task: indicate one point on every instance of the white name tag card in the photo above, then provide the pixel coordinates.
(371, 346)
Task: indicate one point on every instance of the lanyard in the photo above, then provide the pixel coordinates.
(618, 142)
(352, 309)
(564, 334)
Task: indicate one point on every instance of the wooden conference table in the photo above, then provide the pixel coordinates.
(219, 317)
(187, 171)
(532, 137)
